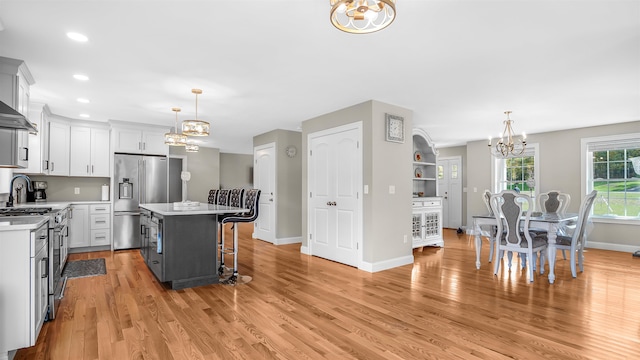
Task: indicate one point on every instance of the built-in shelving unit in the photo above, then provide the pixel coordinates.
(427, 207)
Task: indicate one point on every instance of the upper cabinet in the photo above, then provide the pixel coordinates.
(39, 142)
(59, 148)
(15, 83)
(137, 141)
(94, 162)
(425, 180)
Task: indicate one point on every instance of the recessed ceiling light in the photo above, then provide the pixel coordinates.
(81, 77)
(84, 115)
(82, 100)
(77, 37)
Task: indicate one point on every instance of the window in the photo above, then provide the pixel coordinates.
(518, 173)
(609, 169)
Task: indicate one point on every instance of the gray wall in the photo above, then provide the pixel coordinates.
(288, 179)
(204, 167)
(236, 171)
(462, 152)
(560, 156)
(384, 164)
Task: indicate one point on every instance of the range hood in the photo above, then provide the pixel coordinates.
(11, 119)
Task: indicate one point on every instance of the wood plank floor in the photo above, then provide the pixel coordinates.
(303, 307)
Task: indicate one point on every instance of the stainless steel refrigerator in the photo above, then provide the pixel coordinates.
(138, 179)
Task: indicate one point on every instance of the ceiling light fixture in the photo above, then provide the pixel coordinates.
(85, 115)
(195, 127)
(511, 146)
(362, 16)
(83, 100)
(81, 77)
(175, 139)
(191, 147)
(77, 37)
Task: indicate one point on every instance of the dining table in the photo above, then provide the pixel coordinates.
(552, 222)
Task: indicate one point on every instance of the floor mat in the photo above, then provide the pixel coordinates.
(84, 268)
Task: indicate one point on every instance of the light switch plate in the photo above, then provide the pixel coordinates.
(76, 190)
(392, 189)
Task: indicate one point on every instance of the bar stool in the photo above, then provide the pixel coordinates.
(235, 200)
(213, 194)
(251, 199)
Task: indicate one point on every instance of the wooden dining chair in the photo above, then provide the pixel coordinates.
(575, 243)
(513, 229)
(553, 201)
(486, 197)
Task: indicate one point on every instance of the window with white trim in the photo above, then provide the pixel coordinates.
(518, 173)
(613, 169)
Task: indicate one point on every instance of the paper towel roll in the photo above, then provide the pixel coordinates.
(105, 192)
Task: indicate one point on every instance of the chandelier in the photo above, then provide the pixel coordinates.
(362, 16)
(195, 127)
(175, 139)
(510, 146)
(191, 147)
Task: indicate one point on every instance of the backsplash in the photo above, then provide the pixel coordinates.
(62, 188)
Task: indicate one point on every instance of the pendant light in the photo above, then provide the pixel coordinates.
(191, 147)
(175, 139)
(195, 127)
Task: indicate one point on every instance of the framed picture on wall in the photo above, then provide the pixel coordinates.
(394, 128)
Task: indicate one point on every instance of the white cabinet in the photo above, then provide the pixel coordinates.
(79, 226)
(15, 82)
(23, 262)
(129, 140)
(59, 136)
(427, 208)
(100, 224)
(90, 225)
(38, 150)
(89, 151)
(427, 222)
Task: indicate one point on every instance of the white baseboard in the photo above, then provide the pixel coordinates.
(305, 250)
(609, 246)
(290, 240)
(386, 264)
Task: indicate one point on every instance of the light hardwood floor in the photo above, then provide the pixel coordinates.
(303, 307)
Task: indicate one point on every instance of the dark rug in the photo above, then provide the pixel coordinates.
(84, 268)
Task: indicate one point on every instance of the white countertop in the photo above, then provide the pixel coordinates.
(56, 205)
(169, 209)
(12, 223)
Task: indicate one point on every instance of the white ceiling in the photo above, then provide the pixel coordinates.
(267, 64)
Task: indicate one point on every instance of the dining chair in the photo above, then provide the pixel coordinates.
(553, 201)
(576, 241)
(223, 197)
(251, 202)
(508, 208)
(486, 197)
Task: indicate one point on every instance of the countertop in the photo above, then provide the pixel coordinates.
(168, 209)
(56, 205)
(12, 223)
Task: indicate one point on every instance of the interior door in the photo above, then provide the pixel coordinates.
(335, 177)
(450, 188)
(264, 178)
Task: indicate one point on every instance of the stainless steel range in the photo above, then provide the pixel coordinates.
(58, 248)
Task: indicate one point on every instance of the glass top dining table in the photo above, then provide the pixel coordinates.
(549, 221)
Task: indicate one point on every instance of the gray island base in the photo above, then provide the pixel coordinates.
(180, 244)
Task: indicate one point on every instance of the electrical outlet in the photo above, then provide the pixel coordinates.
(405, 238)
(76, 190)
(392, 189)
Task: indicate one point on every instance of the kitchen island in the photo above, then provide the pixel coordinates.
(179, 244)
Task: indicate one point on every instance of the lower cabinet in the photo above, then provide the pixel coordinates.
(180, 250)
(427, 222)
(90, 225)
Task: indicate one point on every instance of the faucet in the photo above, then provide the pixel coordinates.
(29, 187)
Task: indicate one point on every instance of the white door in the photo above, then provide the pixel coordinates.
(335, 180)
(264, 178)
(450, 188)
